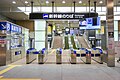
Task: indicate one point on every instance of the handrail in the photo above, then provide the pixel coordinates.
(63, 42)
(73, 42)
(77, 43)
(87, 41)
(66, 42)
(52, 41)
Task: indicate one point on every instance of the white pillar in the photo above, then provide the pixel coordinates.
(40, 34)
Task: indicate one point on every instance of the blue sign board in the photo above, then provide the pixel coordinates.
(45, 16)
(3, 26)
(20, 30)
(10, 27)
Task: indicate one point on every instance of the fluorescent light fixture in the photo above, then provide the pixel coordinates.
(14, 2)
(26, 2)
(80, 2)
(47, 2)
(101, 2)
(63, 1)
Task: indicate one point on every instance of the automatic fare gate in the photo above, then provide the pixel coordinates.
(97, 55)
(30, 55)
(85, 55)
(72, 56)
(59, 56)
(42, 56)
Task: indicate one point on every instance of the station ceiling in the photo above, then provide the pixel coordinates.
(10, 10)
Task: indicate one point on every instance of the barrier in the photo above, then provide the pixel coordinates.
(97, 54)
(30, 55)
(73, 56)
(59, 56)
(86, 55)
(42, 56)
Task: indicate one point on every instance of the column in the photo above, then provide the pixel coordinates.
(40, 34)
(110, 33)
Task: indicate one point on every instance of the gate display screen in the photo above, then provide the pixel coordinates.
(90, 23)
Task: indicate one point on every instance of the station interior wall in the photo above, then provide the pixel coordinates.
(27, 24)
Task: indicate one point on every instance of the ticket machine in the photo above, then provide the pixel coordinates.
(11, 43)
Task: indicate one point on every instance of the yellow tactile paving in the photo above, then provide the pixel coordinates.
(1, 77)
(52, 51)
(14, 65)
(17, 79)
(7, 69)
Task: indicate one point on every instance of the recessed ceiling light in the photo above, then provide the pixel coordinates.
(47, 2)
(14, 2)
(101, 2)
(63, 1)
(26, 2)
(80, 2)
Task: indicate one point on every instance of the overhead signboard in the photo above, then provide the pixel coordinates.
(61, 15)
(3, 26)
(10, 27)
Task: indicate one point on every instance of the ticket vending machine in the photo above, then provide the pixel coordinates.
(11, 43)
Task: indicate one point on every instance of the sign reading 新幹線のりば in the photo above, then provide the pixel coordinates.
(61, 15)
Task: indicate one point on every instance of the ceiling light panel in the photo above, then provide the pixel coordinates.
(47, 2)
(26, 2)
(80, 2)
(14, 2)
(63, 2)
(101, 2)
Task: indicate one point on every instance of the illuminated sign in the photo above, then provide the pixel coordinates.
(61, 15)
(10, 27)
(3, 26)
(45, 16)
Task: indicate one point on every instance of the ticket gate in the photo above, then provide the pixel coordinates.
(73, 56)
(85, 55)
(30, 56)
(42, 56)
(97, 55)
(59, 56)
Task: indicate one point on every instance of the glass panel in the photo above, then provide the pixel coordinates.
(116, 17)
(46, 9)
(81, 9)
(118, 8)
(104, 9)
(26, 45)
(98, 9)
(64, 9)
(102, 17)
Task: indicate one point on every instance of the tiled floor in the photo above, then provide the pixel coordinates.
(65, 72)
(82, 71)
